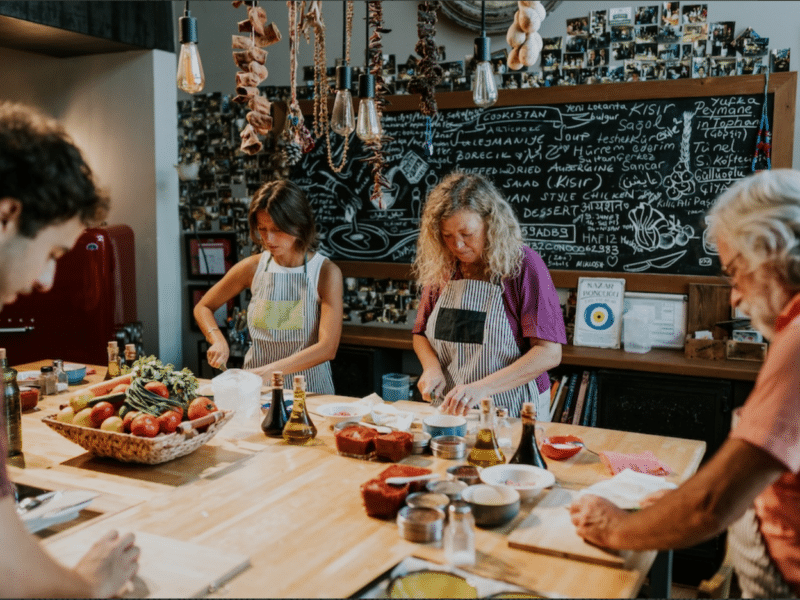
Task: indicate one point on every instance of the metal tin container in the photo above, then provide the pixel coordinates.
(469, 474)
(421, 442)
(428, 500)
(449, 446)
(450, 488)
(421, 524)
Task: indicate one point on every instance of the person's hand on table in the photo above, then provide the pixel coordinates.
(463, 397)
(109, 564)
(217, 354)
(430, 384)
(596, 519)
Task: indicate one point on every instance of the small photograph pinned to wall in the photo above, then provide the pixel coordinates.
(512, 81)
(593, 59)
(623, 51)
(389, 64)
(646, 34)
(686, 52)
(601, 74)
(668, 34)
(578, 26)
(551, 60)
(698, 48)
(570, 76)
(453, 69)
(575, 44)
(573, 61)
(598, 20)
(617, 74)
(660, 67)
(695, 13)
(622, 33)
(748, 65)
(646, 51)
(699, 68)
(669, 52)
(676, 70)
(532, 79)
(694, 33)
(722, 67)
(551, 78)
(499, 60)
(723, 49)
(620, 16)
(647, 15)
(403, 73)
(600, 41)
(648, 70)
(755, 46)
(632, 71)
(779, 60)
(553, 43)
(721, 31)
(670, 13)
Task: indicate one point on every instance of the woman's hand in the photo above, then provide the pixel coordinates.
(463, 397)
(109, 564)
(431, 383)
(596, 519)
(218, 354)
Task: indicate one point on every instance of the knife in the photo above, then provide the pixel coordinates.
(31, 502)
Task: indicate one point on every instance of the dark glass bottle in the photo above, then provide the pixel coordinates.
(528, 452)
(12, 407)
(276, 417)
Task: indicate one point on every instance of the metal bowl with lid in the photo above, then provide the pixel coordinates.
(449, 446)
(420, 524)
(428, 500)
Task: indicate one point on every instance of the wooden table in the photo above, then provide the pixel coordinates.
(297, 511)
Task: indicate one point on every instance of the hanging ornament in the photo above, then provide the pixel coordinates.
(761, 158)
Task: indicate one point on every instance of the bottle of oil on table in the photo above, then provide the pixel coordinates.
(299, 430)
(13, 407)
(486, 452)
(276, 418)
(113, 361)
(528, 452)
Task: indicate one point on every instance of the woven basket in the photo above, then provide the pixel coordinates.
(133, 448)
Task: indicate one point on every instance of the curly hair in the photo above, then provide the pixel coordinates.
(760, 217)
(287, 206)
(502, 254)
(42, 169)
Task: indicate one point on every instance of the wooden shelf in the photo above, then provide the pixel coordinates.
(656, 361)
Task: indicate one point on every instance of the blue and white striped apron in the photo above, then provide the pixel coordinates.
(470, 333)
(283, 318)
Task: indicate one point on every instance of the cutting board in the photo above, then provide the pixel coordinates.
(549, 530)
(168, 568)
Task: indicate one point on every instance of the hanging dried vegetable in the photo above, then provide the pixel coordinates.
(429, 72)
(377, 161)
(523, 35)
(250, 58)
(296, 135)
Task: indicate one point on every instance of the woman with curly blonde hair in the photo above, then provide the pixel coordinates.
(489, 323)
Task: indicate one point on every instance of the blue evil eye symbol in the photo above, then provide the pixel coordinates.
(598, 316)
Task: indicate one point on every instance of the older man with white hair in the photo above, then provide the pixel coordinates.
(752, 484)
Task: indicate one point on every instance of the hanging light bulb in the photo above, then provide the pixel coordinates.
(368, 127)
(484, 89)
(190, 70)
(342, 120)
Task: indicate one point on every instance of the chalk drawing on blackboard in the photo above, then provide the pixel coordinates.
(661, 262)
(680, 182)
(653, 231)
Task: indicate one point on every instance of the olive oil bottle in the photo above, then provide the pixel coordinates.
(299, 430)
(113, 361)
(528, 452)
(486, 452)
(276, 418)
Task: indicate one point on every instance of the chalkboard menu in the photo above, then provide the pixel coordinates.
(615, 177)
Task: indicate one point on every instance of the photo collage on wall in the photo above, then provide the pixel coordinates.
(667, 40)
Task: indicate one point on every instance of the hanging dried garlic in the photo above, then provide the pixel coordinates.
(523, 35)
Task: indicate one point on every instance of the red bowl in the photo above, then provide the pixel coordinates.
(551, 450)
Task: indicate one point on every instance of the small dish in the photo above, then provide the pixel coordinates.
(421, 524)
(492, 505)
(340, 412)
(528, 480)
(451, 488)
(439, 425)
(421, 442)
(429, 500)
(449, 446)
(469, 474)
(75, 373)
(430, 584)
(558, 447)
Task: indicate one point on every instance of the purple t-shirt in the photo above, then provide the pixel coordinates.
(531, 304)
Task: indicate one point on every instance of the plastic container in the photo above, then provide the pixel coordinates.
(395, 387)
(636, 331)
(238, 390)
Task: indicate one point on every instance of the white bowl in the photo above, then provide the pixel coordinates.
(492, 505)
(340, 412)
(529, 481)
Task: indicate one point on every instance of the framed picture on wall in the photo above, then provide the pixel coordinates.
(195, 293)
(210, 255)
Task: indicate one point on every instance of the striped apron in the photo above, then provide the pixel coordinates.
(283, 319)
(470, 333)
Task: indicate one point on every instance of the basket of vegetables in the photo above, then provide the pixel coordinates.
(151, 415)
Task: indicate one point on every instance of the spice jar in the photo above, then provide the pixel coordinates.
(48, 381)
(61, 374)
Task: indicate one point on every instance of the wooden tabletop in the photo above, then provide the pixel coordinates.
(297, 511)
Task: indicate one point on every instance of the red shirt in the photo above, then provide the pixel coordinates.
(770, 420)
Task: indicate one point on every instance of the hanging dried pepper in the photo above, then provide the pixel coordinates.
(429, 72)
(375, 64)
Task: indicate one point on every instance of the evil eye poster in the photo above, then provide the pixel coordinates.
(598, 313)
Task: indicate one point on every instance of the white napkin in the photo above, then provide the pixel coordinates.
(388, 415)
(63, 506)
(627, 488)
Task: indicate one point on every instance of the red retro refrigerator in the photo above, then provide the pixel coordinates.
(94, 293)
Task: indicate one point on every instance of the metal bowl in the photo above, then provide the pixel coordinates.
(428, 500)
(451, 488)
(449, 446)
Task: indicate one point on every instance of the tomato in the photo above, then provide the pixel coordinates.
(157, 387)
(168, 421)
(100, 412)
(145, 426)
(129, 416)
(200, 407)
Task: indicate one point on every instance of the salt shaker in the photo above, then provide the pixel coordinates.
(459, 537)
(503, 429)
(48, 381)
(61, 374)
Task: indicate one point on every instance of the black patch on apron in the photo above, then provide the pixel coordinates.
(458, 325)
